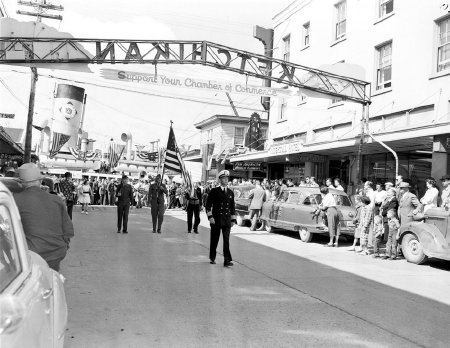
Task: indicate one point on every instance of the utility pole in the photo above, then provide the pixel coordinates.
(40, 7)
(27, 154)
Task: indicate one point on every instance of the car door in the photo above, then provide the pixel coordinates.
(308, 206)
(26, 298)
(289, 212)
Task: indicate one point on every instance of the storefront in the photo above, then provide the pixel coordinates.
(415, 167)
(11, 154)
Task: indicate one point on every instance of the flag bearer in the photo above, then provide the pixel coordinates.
(156, 194)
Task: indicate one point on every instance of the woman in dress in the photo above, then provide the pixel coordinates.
(85, 196)
(328, 205)
(429, 200)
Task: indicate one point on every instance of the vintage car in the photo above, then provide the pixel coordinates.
(33, 308)
(294, 208)
(427, 237)
(242, 202)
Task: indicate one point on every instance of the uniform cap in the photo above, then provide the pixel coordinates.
(445, 177)
(403, 185)
(224, 173)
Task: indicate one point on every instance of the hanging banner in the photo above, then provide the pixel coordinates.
(67, 111)
(194, 83)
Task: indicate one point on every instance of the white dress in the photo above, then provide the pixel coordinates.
(429, 200)
(85, 197)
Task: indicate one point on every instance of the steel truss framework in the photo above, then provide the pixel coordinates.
(15, 50)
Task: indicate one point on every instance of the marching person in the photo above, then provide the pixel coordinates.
(194, 204)
(222, 216)
(124, 196)
(156, 194)
(46, 224)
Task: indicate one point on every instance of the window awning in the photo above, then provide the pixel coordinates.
(7, 144)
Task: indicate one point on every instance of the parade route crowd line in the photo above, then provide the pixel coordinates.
(401, 275)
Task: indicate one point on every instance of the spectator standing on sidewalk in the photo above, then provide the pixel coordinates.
(429, 200)
(365, 223)
(380, 196)
(46, 224)
(445, 197)
(408, 205)
(394, 225)
(85, 191)
(124, 198)
(389, 203)
(68, 190)
(328, 205)
(194, 204)
(338, 185)
(378, 233)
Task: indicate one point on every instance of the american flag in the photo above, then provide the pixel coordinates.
(58, 142)
(173, 160)
(115, 153)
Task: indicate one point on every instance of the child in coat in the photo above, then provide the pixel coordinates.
(394, 225)
(378, 233)
(364, 224)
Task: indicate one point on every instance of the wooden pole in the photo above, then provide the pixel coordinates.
(29, 129)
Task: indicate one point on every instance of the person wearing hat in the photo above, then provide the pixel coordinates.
(221, 214)
(124, 196)
(408, 204)
(46, 224)
(445, 196)
(156, 198)
(68, 190)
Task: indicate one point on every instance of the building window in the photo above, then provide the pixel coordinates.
(305, 40)
(283, 106)
(239, 136)
(209, 135)
(444, 45)
(384, 66)
(341, 20)
(386, 7)
(287, 47)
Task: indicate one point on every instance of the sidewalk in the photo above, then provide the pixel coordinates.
(424, 280)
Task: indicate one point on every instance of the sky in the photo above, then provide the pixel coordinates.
(112, 111)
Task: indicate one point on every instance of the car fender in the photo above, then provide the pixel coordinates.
(429, 236)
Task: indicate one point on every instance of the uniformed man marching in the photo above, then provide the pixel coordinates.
(221, 214)
(156, 194)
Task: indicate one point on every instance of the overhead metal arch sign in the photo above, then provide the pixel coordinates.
(16, 50)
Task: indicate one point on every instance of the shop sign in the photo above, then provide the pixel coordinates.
(309, 157)
(2, 115)
(284, 149)
(247, 165)
(10, 157)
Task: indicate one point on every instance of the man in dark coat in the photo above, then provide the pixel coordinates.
(222, 216)
(156, 194)
(124, 196)
(46, 224)
(194, 202)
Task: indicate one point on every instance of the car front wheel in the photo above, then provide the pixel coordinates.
(305, 235)
(413, 250)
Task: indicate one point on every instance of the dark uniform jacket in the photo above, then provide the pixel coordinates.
(155, 195)
(220, 206)
(124, 194)
(197, 199)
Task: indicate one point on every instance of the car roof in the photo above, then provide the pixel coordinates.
(10, 184)
(313, 190)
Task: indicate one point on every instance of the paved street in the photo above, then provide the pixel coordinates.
(150, 290)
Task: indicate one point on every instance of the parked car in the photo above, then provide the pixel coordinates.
(242, 202)
(293, 210)
(429, 237)
(33, 308)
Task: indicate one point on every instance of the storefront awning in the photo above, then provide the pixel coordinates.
(7, 144)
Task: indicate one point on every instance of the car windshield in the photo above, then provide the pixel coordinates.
(241, 193)
(283, 196)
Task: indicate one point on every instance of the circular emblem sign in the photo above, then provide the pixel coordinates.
(68, 111)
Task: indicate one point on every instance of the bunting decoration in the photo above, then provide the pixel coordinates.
(115, 153)
(173, 160)
(58, 142)
(82, 155)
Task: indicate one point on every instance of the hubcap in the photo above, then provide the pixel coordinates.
(414, 246)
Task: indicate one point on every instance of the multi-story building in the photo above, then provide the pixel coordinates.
(403, 49)
(222, 136)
